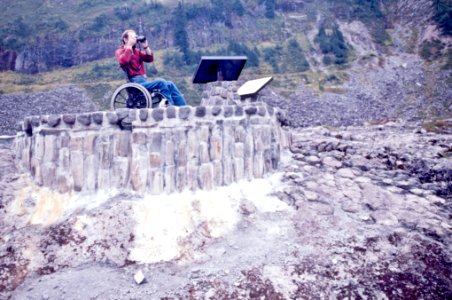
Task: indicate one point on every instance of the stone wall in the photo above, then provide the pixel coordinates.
(151, 150)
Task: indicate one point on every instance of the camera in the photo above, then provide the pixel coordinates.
(141, 39)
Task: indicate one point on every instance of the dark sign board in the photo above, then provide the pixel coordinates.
(219, 68)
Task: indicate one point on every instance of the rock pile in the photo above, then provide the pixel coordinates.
(15, 107)
(399, 89)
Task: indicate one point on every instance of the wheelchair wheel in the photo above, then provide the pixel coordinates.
(130, 95)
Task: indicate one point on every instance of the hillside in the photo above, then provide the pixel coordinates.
(384, 53)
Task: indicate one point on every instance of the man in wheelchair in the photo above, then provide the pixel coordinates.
(132, 62)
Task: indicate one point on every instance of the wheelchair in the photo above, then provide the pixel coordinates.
(133, 95)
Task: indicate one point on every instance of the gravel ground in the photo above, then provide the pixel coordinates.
(15, 107)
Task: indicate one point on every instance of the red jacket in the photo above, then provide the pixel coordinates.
(132, 61)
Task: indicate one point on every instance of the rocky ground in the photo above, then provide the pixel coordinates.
(377, 89)
(15, 107)
(354, 213)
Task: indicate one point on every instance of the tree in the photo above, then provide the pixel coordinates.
(333, 43)
(217, 11)
(270, 8)
(443, 15)
(297, 61)
(323, 40)
(123, 13)
(338, 46)
(237, 7)
(272, 55)
(99, 23)
(180, 32)
(236, 48)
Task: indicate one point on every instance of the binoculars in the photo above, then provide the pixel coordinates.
(141, 39)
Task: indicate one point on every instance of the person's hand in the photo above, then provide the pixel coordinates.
(145, 44)
(131, 41)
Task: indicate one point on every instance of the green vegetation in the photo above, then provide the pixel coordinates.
(431, 50)
(366, 11)
(443, 15)
(448, 64)
(235, 48)
(180, 33)
(332, 44)
(288, 57)
(270, 8)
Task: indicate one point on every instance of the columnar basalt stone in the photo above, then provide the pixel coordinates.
(112, 118)
(228, 111)
(261, 111)
(151, 150)
(239, 111)
(157, 114)
(200, 111)
(54, 120)
(143, 114)
(69, 119)
(98, 118)
(251, 110)
(216, 110)
(184, 113)
(84, 119)
(220, 93)
(171, 112)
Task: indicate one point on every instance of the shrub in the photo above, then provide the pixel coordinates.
(443, 15)
(333, 43)
(123, 13)
(431, 50)
(270, 8)
(99, 23)
(272, 56)
(296, 60)
(235, 48)
(173, 59)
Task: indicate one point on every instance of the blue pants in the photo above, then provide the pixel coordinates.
(167, 89)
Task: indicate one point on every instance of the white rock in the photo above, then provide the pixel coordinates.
(384, 217)
(354, 194)
(345, 172)
(362, 179)
(331, 162)
(311, 195)
(312, 159)
(417, 191)
(436, 200)
(394, 189)
(387, 181)
(139, 277)
(311, 185)
(309, 169)
(350, 206)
